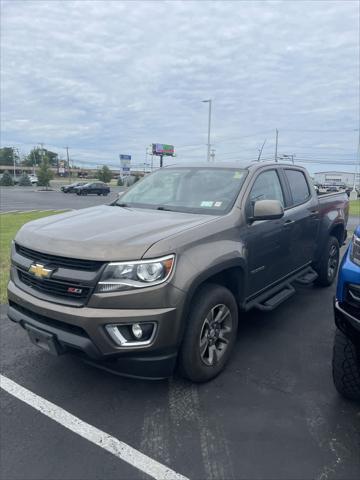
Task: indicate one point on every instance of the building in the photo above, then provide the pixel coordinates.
(336, 178)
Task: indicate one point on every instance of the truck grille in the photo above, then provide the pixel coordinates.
(63, 262)
(52, 287)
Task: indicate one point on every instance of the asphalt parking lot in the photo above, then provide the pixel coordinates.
(273, 414)
(30, 198)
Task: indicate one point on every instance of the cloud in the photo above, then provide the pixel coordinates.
(111, 77)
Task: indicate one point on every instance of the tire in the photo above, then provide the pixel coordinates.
(346, 367)
(211, 302)
(328, 264)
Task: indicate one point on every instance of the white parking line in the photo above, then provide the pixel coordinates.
(92, 434)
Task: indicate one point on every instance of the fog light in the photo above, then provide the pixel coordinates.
(137, 331)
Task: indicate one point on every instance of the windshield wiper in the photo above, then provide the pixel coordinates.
(165, 208)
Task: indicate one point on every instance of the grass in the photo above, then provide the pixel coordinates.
(355, 208)
(9, 225)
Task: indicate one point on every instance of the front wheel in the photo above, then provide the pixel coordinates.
(328, 264)
(346, 367)
(210, 334)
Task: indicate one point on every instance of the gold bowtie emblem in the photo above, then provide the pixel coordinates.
(40, 271)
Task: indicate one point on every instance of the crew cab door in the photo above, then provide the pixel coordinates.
(267, 253)
(301, 219)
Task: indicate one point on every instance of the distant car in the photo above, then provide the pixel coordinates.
(332, 188)
(34, 179)
(346, 352)
(95, 188)
(71, 187)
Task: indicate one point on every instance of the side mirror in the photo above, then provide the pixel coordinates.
(267, 210)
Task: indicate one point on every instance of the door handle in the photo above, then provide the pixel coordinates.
(288, 223)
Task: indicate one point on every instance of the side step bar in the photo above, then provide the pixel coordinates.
(271, 298)
(273, 301)
(308, 277)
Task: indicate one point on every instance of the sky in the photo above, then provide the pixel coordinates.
(111, 77)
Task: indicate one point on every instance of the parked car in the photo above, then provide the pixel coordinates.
(71, 188)
(159, 278)
(346, 352)
(94, 188)
(34, 179)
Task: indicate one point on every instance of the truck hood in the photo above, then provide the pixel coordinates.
(107, 233)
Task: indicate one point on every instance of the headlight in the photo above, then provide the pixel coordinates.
(355, 249)
(121, 276)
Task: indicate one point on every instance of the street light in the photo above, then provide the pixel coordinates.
(209, 126)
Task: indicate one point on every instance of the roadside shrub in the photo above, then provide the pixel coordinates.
(6, 180)
(120, 182)
(137, 178)
(24, 180)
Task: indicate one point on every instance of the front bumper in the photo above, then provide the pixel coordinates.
(81, 331)
(347, 320)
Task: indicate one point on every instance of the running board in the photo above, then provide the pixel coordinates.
(272, 302)
(271, 299)
(308, 277)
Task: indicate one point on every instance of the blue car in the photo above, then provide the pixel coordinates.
(346, 353)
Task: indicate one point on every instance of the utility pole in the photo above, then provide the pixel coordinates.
(261, 149)
(13, 152)
(353, 193)
(42, 151)
(68, 162)
(209, 101)
(212, 155)
(276, 145)
(34, 161)
(283, 157)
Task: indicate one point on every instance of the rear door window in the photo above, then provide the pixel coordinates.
(299, 187)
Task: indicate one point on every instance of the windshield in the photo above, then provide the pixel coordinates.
(195, 190)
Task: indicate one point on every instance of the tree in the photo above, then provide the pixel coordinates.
(7, 156)
(37, 155)
(44, 174)
(104, 174)
(6, 180)
(24, 180)
(120, 182)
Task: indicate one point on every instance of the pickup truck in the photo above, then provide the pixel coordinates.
(158, 279)
(346, 351)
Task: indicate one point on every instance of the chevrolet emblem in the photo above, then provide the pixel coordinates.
(40, 271)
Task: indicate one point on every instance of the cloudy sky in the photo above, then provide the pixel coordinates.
(110, 77)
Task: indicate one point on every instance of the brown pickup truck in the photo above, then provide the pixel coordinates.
(159, 278)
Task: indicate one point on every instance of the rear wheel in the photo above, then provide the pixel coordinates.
(328, 265)
(346, 367)
(210, 335)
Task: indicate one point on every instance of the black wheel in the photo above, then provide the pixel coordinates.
(210, 334)
(346, 367)
(328, 264)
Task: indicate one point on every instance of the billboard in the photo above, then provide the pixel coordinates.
(162, 149)
(125, 161)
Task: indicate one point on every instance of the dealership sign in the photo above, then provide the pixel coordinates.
(125, 161)
(162, 149)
